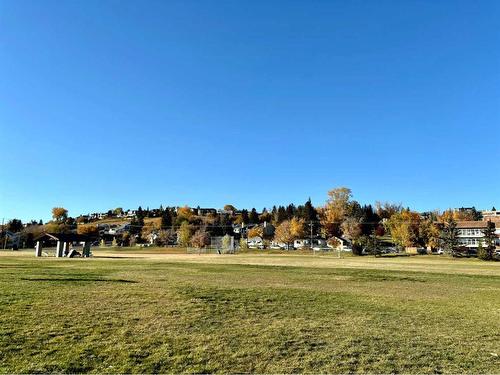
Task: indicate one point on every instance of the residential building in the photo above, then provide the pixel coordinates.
(470, 233)
(206, 211)
(492, 215)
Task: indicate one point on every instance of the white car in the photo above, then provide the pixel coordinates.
(440, 252)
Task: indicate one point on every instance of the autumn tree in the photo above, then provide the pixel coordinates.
(335, 210)
(184, 213)
(386, 209)
(89, 230)
(297, 228)
(429, 233)
(351, 229)
(226, 242)
(243, 244)
(200, 238)
(166, 237)
(337, 204)
(184, 234)
(59, 214)
(404, 228)
(229, 208)
(256, 231)
(284, 233)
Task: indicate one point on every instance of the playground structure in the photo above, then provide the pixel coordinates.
(64, 243)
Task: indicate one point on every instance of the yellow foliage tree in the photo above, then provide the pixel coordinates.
(289, 230)
(335, 210)
(184, 234)
(404, 228)
(284, 233)
(256, 231)
(88, 230)
(184, 212)
(297, 227)
(429, 233)
(59, 214)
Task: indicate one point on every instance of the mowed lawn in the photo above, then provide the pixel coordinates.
(246, 313)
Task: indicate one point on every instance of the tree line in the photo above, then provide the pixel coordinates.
(367, 228)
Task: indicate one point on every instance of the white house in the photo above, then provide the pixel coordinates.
(255, 242)
(470, 233)
(306, 242)
(493, 215)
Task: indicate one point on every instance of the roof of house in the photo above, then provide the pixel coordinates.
(472, 224)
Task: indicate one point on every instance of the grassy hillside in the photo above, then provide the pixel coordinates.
(189, 313)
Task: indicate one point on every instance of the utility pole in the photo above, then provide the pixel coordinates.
(4, 234)
(311, 243)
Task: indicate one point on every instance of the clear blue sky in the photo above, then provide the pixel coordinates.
(127, 103)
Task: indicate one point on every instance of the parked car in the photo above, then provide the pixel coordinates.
(389, 250)
(321, 248)
(440, 252)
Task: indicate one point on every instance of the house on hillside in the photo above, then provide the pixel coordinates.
(242, 229)
(130, 213)
(491, 215)
(206, 211)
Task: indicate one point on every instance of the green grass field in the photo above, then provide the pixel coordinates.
(154, 312)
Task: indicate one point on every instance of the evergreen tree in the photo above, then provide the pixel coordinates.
(166, 219)
(489, 241)
(310, 213)
(253, 218)
(280, 215)
(136, 225)
(139, 213)
(274, 212)
(369, 219)
(449, 236)
(291, 211)
(244, 216)
(15, 225)
(476, 215)
(482, 253)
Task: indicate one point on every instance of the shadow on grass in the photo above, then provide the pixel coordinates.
(79, 280)
(113, 257)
